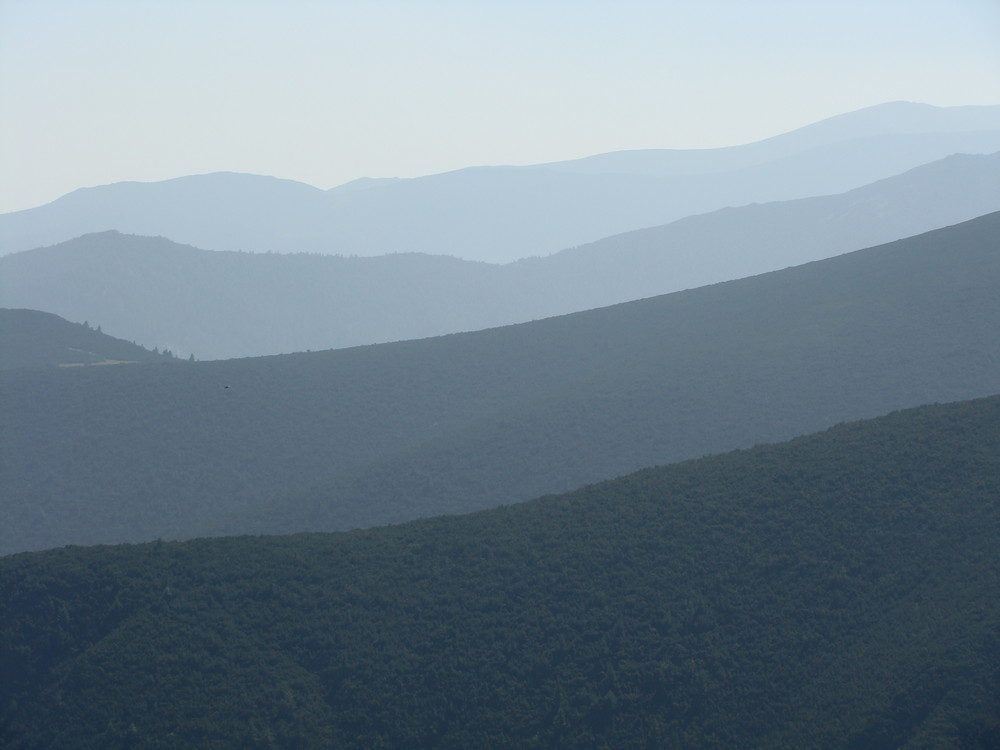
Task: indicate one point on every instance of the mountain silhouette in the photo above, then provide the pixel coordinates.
(500, 214)
(220, 305)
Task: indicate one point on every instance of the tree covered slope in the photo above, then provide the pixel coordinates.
(836, 591)
(31, 338)
(359, 437)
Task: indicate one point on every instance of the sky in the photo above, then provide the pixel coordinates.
(327, 91)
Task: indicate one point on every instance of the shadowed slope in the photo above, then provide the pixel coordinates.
(29, 338)
(837, 591)
(392, 432)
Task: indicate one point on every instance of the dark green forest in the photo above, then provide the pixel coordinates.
(835, 591)
(31, 338)
(351, 438)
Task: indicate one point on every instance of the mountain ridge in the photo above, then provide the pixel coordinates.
(487, 213)
(216, 305)
(385, 433)
(865, 122)
(32, 338)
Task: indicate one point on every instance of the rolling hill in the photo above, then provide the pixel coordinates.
(30, 338)
(836, 591)
(220, 305)
(382, 434)
(500, 214)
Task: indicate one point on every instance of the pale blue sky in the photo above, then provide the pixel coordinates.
(99, 91)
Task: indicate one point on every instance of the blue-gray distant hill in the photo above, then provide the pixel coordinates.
(386, 433)
(224, 304)
(31, 338)
(500, 214)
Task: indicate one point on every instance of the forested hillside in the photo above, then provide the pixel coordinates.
(837, 591)
(218, 305)
(31, 338)
(371, 435)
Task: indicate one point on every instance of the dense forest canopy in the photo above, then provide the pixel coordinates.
(836, 591)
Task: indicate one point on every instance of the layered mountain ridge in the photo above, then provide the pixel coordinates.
(500, 214)
(386, 433)
(219, 305)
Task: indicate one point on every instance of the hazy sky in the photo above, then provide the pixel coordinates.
(99, 91)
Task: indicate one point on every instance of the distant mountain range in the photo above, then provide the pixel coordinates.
(903, 118)
(223, 304)
(501, 214)
(386, 433)
(836, 591)
(31, 338)
(590, 535)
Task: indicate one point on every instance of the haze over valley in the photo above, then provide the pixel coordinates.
(332, 393)
(518, 375)
(219, 305)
